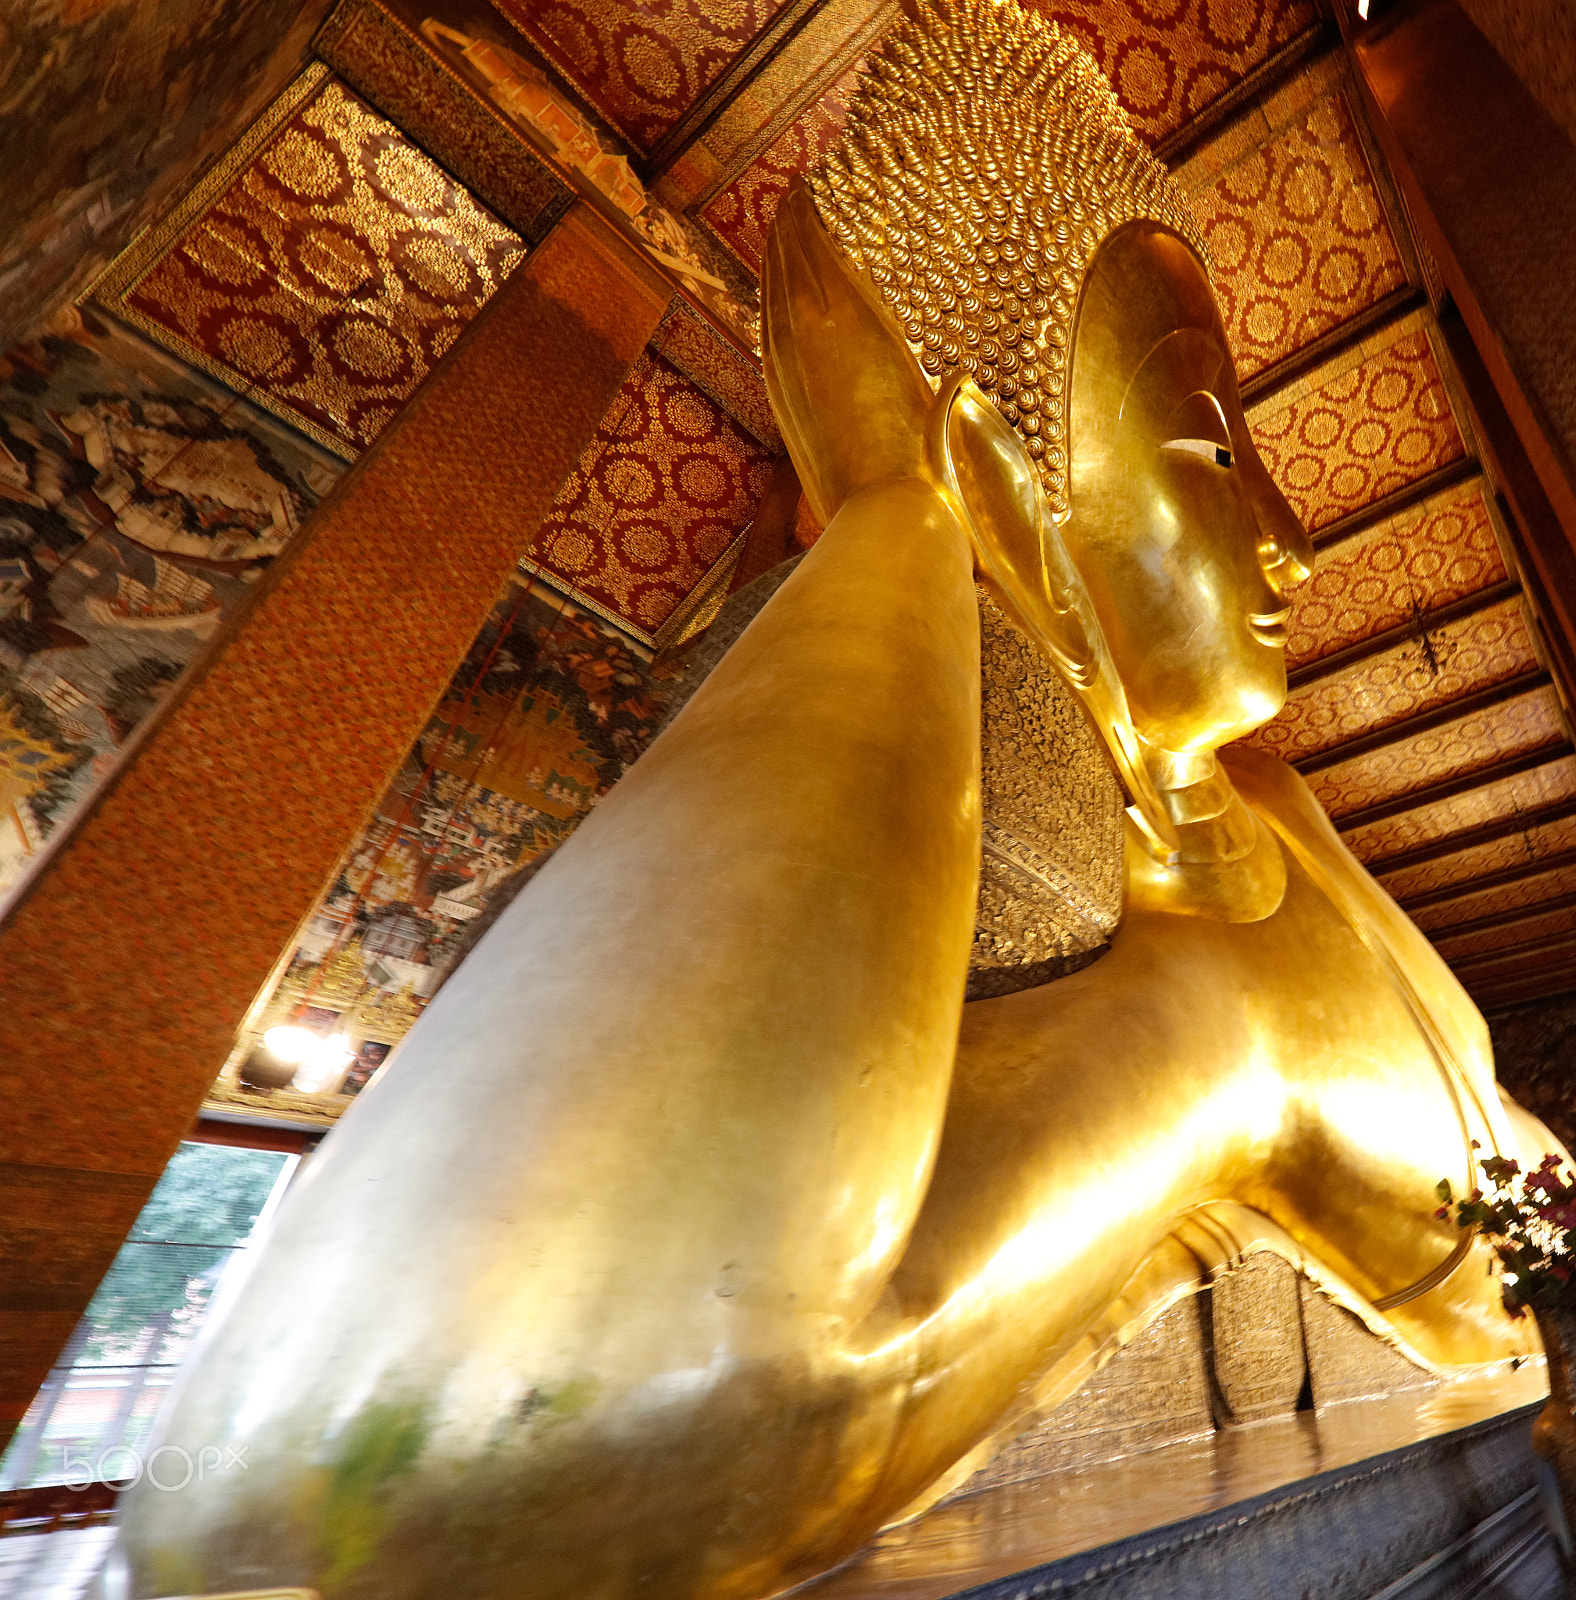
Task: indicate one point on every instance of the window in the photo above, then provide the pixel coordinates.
(94, 1412)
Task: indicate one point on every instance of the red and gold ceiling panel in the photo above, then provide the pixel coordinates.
(1517, 850)
(741, 213)
(640, 63)
(657, 500)
(1297, 236)
(1398, 571)
(1525, 893)
(1473, 743)
(1169, 61)
(1547, 784)
(1523, 931)
(1428, 672)
(1358, 428)
(322, 268)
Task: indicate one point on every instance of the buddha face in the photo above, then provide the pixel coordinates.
(1186, 548)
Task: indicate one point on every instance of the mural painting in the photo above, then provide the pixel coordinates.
(550, 707)
(139, 502)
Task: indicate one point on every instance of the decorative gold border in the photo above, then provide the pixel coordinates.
(126, 272)
(714, 580)
(704, 601)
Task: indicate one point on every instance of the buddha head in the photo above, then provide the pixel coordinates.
(1049, 281)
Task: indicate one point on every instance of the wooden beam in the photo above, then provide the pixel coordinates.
(1382, 314)
(1547, 983)
(1502, 919)
(1515, 952)
(1471, 605)
(1471, 838)
(1451, 789)
(1441, 479)
(1178, 147)
(1441, 716)
(1533, 867)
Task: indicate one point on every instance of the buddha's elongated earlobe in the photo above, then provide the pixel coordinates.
(979, 459)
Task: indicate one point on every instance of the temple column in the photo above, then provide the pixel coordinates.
(127, 969)
(1489, 177)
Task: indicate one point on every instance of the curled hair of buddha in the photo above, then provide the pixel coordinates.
(984, 160)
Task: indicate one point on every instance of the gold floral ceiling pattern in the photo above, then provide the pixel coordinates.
(322, 268)
(1401, 569)
(1296, 232)
(1353, 431)
(641, 63)
(658, 500)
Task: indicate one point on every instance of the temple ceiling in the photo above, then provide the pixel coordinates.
(1423, 709)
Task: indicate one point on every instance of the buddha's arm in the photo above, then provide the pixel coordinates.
(657, 1141)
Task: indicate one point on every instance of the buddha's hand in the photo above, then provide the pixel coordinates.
(849, 396)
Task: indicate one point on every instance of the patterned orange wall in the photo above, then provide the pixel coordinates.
(1480, 861)
(659, 495)
(324, 268)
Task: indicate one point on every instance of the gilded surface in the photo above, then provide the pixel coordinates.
(322, 269)
(694, 1276)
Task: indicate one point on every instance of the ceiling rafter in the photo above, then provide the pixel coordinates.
(1384, 314)
(1515, 952)
(1377, 644)
(1450, 476)
(1471, 838)
(1449, 789)
(1507, 918)
(1243, 98)
(1425, 722)
(1524, 872)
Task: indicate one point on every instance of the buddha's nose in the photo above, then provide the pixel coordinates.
(1285, 550)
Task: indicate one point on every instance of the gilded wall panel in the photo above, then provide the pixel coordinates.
(324, 267)
(1397, 571)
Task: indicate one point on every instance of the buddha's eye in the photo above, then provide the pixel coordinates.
(1207, 448)
(1198, 427)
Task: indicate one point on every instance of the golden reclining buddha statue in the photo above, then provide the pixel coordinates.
(702, 1224)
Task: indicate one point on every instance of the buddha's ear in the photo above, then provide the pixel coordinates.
(1020, 556)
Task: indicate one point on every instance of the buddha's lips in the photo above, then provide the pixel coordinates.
(1269, 627)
